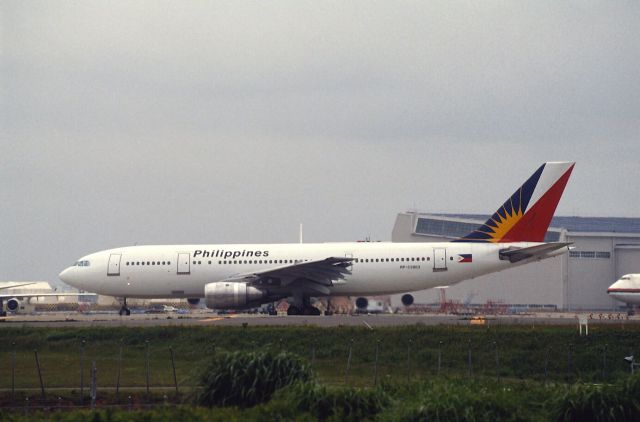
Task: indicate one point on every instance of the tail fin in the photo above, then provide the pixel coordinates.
(526, 215)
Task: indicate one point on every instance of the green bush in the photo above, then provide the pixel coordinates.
(248, 378)
(340, 403)
(459, 400)
(618, 402)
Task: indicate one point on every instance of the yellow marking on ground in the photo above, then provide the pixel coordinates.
(213, 319)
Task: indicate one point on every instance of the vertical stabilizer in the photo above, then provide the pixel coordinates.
(526, 215)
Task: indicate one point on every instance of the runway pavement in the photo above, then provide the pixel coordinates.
(59, 319)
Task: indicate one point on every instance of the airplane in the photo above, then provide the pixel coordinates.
(247, 275)
(627, 290)
(15, 300)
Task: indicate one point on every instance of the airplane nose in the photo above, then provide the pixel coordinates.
(67, 275)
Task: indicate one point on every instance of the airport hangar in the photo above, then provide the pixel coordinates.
(604, 249)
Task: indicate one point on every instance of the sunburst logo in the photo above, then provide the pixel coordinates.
(497, 227)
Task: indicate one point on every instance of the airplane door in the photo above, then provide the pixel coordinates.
(183, 263)
(439, 259)
(114, 264)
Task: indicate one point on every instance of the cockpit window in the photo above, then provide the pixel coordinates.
(82, 264)
(626, 277)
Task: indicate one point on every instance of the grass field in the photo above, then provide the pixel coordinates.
(426, 360)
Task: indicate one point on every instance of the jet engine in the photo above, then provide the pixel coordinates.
(362, 303)
(223, 295)
(407, 299)
(193, 301)
(13, 304)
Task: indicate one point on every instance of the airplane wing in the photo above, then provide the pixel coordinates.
(16, 285)
(519, 254)
(315, 276)
(30, 295)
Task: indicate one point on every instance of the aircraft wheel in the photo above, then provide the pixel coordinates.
(293, 310)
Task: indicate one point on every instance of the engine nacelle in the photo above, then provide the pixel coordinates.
(13, 304)
(362, 303)
(407, 299)
(224, 295)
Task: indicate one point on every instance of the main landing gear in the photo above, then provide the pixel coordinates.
(302, 306)
(124, 310)
(306, 310)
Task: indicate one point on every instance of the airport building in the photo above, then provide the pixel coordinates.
(604, 249)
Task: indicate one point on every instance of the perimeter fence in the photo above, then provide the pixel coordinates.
(67, 369)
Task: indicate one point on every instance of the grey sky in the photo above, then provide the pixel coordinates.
(231, 122)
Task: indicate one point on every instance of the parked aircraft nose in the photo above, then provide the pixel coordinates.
(613, 287)
(68, 276)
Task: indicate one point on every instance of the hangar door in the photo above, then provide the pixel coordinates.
(627, 260)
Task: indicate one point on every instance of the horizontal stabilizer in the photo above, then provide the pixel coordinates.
(513, 254)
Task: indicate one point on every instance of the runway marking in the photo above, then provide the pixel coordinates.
(367, 324)
(214, 319)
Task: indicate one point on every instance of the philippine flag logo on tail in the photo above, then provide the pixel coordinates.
(465, 257)
(526, 215)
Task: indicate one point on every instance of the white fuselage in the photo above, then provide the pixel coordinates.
(182, 271)
(627, 289)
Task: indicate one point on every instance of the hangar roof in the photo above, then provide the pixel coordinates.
(578, 224)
